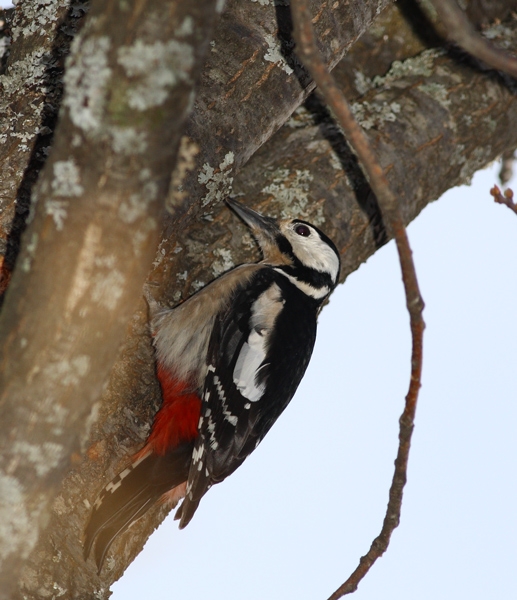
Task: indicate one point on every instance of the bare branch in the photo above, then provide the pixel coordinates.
(505, 198)
(307, 49)
(507, 164)
(457, 28)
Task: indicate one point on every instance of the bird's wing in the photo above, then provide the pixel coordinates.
(248, 383)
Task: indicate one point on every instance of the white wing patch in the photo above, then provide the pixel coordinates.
(264, 313)
(252, 354)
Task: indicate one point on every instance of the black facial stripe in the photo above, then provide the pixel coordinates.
(284, 245)
(316, 279)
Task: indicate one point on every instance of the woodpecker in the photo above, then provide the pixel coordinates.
(229, 360)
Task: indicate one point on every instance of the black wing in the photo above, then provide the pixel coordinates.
(258, 353)
(130, 495)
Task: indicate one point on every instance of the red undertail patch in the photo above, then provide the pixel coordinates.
(178, 418)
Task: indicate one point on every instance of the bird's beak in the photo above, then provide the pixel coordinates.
(260, 225)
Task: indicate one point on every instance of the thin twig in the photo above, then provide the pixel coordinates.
(459, 29)
(507, 162)
(506, 198)
(308, 52)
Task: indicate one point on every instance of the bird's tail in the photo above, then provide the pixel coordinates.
(131, 493)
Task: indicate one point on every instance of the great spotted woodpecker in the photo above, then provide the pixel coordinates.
(229, 360)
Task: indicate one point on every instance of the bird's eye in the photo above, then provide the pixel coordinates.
(302, 230)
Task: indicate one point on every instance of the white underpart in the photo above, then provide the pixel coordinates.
(313, 252)
(305, 287)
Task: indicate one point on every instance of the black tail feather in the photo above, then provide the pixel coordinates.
(130, 494)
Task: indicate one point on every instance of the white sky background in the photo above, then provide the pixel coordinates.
(294, 520)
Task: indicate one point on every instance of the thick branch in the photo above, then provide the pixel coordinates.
(90, 244)
(30, 94)
(252, 83)
(419, 117)
(456, 27)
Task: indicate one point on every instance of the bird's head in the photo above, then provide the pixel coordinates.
(297, 248)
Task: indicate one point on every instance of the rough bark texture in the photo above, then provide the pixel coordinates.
(433, 116)
(92, 237)
(252, 82)
(31, 88)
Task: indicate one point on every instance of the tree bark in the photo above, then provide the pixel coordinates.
(96, 220)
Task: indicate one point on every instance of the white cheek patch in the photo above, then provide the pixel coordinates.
(314, 253)
(252, 355)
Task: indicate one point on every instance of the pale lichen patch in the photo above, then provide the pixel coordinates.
(371, 114)
(300, 119)
(362, 82)
(421, 66)
(223, 263)
(5, 45)
(156, 68)
(30, 252)
(57, 209)
(439, 92)
(66, 181)
(197, 285)
(274, 55)
(86, 79)
(160, 255)
(42, 457)
(36, 17)
(187, 153)
(17, 533)
(85, 263)
(132, 209)
(500, 32)
(291, 190)
(69, 372)
(218, 183)
(475, 161)
(108, 285)
(29, 71)
(186, 28)
(128, 140)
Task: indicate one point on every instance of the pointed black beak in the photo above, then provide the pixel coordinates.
(259, 224)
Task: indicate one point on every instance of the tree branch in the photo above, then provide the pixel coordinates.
(90, 244)
(252, 83)
(506, 198)
(31, 91)
(307, 49)
(457, 28)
